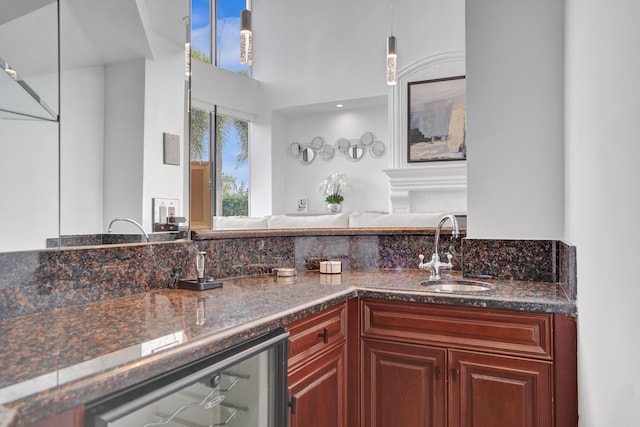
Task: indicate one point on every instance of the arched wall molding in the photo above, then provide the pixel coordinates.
(409, 179)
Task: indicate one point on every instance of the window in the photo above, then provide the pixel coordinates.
(220, 182)
(232, 166)
(201, 30)
(227, 33)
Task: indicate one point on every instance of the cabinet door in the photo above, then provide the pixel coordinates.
(403, 385)
(319, 391)
(496, 391)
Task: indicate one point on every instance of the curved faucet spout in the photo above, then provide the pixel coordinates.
(435, 265)
(443, 220)
(146, 235)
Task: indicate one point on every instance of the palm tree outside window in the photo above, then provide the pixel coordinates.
(220, 181)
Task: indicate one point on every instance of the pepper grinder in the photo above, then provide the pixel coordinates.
(200, 266)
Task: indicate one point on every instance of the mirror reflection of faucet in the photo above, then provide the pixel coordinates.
(146, 235)
(435, 265)
(200, 266)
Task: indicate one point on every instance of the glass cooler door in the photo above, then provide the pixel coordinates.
(244, 386)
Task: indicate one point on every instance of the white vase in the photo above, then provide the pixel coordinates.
(334, 207)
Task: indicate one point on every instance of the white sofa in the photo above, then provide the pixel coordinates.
(342, 220)
(384, 220)
(238, 223)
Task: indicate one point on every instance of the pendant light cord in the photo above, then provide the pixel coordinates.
(391, 15)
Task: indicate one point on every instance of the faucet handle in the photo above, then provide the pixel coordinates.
(421, 258)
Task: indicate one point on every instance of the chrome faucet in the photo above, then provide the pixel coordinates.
(435, 265)
(146, 235)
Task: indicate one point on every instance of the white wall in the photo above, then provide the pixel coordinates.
(602, 205)
(261, 174)
(163, 113)
(99, 180)
(293, 180)
(28, 203)
(213, 86)
(81, 150)
(124, 142)
(515, 127)
(312, 52)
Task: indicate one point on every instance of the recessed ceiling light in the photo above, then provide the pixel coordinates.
(339, 105)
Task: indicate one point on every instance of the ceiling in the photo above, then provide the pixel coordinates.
(93, 32)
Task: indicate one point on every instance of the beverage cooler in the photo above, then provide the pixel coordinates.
(244, 386)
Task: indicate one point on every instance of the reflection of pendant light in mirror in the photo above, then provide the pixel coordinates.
(246, 37)
(187, 47)
(392, 57)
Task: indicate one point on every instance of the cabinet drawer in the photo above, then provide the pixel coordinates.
(505, 332)
(316, 333)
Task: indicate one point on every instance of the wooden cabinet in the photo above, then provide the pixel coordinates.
(318, 391)
(487, 390)
(318, 369)
(426, 365)
(404, 385)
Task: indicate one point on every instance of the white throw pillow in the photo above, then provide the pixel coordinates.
(309, 221)
(383, 220)
(238, 222)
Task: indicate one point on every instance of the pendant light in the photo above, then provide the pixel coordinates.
(246, 36)
(392, 56)
(187, 47)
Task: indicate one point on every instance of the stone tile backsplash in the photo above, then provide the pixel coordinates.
(38, 281)
(530, 260)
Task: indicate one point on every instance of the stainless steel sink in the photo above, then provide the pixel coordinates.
(456, 286)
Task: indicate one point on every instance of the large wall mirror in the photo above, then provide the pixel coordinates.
(120, 146)
(29, 135)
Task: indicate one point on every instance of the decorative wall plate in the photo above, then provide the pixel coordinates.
(377, 149)
(342, 145)
(317, 143)
(367, 138)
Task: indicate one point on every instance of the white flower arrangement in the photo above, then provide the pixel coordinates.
(334, 187)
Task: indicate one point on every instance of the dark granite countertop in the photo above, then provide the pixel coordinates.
(59, 359)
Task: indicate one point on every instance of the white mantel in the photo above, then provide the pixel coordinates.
(438, 187)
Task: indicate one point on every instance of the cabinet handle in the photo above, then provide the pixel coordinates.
(454, 374)
(436, 372)
(324, 335)
(293, 404)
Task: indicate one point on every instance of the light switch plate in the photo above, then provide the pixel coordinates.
(171, 207)
(171, 148)
(302, 204)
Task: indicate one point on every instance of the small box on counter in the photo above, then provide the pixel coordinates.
(330, 267)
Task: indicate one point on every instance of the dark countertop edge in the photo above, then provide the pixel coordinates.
(523, 305)
(287, 232)
(44, 404)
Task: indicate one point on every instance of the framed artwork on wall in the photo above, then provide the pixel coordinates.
(437, 112)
